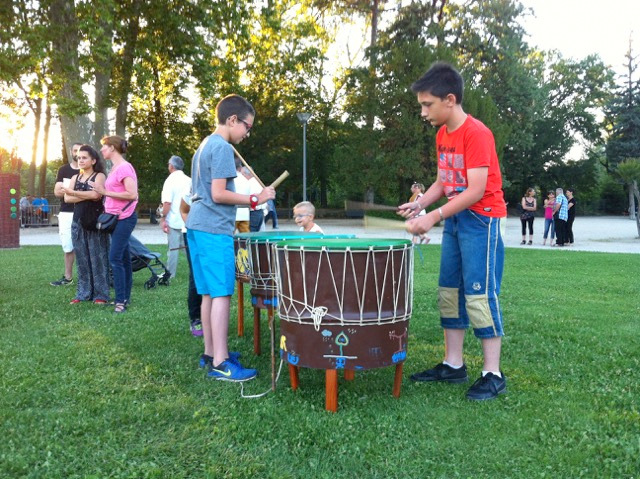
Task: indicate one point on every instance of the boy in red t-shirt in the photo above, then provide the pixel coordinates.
(472, 247)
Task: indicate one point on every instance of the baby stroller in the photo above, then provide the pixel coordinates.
(141, 258)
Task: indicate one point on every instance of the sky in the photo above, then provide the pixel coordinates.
(576, 28)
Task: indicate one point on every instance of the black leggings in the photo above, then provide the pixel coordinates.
(524, 225)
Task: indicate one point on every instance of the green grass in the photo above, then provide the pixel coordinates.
(85, 393)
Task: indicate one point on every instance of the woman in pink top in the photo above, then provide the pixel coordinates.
(548, 217)
(121, 197)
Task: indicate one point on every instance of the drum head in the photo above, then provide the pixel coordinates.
(340, 244)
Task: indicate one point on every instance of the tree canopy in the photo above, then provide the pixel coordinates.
(153, 72)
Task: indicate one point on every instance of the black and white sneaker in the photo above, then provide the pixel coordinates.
(62, 282)
(444, 373)
(487, 387)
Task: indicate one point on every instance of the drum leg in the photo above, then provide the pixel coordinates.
(349, 374)
(397, 380)
(272, 335)
(293, 376)
(331, 401)
(240, 308)
(256, 331)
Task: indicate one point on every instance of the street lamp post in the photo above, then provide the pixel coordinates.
(304, 118)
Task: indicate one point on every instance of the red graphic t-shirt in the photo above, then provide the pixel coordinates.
(470, 146)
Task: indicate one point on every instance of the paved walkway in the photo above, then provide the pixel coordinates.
(611, 234)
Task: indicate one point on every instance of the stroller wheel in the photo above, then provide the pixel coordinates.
(164, 279)
(150, 283)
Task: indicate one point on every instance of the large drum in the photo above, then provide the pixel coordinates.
(344, 303)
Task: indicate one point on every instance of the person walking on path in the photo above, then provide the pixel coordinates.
(529, 205)
(469, 177)
(571, 204)
(560, 217)
(65, 216)
(171, 223)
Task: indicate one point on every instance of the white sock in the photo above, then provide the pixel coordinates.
(451, 365)
(499, 374)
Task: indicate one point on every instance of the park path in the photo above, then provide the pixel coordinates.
(610, 234)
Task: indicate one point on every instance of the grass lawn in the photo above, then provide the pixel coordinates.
(85, 393)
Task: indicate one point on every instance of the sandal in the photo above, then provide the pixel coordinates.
(523, 242)
(120, 308)
(530, 242)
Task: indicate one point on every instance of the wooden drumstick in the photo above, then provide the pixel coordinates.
(280, 179)
(247, 165)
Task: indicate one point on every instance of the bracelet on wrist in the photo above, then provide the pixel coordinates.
(440, 213)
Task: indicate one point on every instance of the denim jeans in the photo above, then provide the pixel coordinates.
(471, 273)
(120, 258)
(255, 220)
(548, 223)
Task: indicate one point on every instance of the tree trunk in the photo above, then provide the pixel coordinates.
(126, 70)
(101, 123)
(37, 111)
(45, 149)
(67, 89)
(636, 193)
(632, 202)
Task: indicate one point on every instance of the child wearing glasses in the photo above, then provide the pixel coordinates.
(304, 213)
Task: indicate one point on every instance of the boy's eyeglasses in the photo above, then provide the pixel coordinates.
(247, 125)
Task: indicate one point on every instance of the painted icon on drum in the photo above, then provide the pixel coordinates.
(401, 353)
(293, 358)
(341, 340)
(242, 261)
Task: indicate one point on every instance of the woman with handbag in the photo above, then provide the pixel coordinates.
(91, 246)
(529, 206)
(121, 197)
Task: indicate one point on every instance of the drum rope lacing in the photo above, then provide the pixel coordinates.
(291, 309)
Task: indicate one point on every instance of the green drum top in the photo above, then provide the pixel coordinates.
(262, 236)
(342, 244)
(276, 236)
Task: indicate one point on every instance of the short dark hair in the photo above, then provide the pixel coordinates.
(571, 190)
(99, 166)
(233, 105)
(440, 80)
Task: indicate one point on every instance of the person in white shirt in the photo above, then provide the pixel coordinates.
(304, 213)
(256, 217)
(172, 191)
(243, 187)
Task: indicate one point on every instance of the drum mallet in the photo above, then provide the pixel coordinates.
(280, 179)
(247, 166)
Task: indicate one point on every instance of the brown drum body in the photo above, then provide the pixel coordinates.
(344, 309)
(344, 347)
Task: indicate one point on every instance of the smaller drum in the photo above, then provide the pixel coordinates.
(261, 269)
(344, 303)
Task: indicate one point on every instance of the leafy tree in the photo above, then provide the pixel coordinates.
(623, 115)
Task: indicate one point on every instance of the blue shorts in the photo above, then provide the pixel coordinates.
(212, 263)
(471, 273)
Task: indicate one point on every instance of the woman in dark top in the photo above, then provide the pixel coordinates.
(90, 245)
(572, 216)
(529, 206)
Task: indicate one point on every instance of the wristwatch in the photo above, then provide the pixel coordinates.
(253, 201)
